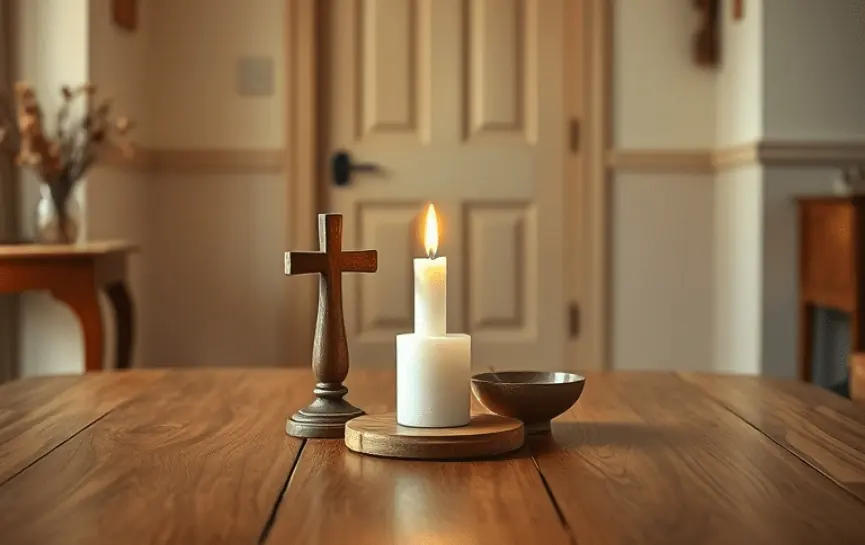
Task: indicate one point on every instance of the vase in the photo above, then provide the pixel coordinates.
(58, 217)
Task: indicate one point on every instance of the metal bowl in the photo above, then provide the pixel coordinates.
(531, 396)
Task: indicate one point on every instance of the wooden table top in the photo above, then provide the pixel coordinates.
(191, 457)
(84, 249)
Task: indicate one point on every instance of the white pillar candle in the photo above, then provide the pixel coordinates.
(433, 380)
(430, 296)
(433, 369)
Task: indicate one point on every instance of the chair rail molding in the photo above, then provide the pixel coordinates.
(769, 153)
(778, 153)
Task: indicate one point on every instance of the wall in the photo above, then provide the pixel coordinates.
(823, 40)
(739, 104)
(51, 50)
(216, 242)
(118, 200)
(68, 42)
(737, 275)
(213, 237)
(198, 284)
(662, 222)
(804, 84)
(738, 198)
(703, 269)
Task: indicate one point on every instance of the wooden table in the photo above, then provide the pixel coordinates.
(74, 274)
(201, 457)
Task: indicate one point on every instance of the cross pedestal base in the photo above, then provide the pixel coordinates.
(325, 417)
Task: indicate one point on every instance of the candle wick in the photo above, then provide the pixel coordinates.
(431, 254)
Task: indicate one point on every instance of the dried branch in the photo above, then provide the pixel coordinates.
(62, 160)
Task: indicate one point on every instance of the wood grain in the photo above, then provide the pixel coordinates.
(38, 414)
(69, 251)
(649, 459)
(337, 496)
(487, 435)
(857, 378)
(201, 459)
(823, 429)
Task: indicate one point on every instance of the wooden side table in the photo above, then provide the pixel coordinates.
(831, 268)
(74, 274)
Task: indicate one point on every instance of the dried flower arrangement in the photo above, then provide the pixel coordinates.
(59, 161)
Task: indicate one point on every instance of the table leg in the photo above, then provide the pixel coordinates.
(806, 345)
(124, 311)
(84, 302)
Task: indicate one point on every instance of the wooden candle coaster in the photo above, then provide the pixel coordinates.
(487, 435)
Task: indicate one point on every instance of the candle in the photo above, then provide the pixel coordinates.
(430, 284)
(433, 367)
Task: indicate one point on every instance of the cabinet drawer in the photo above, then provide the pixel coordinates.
(827, 260)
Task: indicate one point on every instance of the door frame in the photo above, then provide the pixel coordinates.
(588, 91)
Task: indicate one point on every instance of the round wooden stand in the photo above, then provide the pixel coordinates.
(487, 435)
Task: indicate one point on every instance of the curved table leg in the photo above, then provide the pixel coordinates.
(124, 311)
(85, 304)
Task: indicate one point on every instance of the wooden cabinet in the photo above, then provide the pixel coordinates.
(831, 268)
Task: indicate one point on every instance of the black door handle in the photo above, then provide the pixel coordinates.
(341, 166)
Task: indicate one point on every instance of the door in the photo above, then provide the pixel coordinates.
(459, 103)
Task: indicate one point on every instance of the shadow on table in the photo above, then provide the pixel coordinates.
(609, 434)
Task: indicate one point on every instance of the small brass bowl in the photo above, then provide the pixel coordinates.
(530, 396)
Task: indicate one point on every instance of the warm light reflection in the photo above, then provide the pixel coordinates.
(431, 232)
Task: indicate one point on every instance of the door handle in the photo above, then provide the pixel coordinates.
(342, 166)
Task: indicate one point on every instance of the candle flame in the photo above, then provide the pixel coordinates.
(431, 232)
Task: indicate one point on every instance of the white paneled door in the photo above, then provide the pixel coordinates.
(459, 103)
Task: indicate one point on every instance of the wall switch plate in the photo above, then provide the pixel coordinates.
(255, 76)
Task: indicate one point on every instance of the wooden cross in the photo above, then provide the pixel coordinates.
(327, 415)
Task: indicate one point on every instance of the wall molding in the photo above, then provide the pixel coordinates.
(660, 160)
(767, 153)
(775, 153)
(199, 161)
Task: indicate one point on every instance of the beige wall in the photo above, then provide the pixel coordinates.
(701, 265)
(791, 74)
(118, 201)
(662, 222)
(213, 243)
(193, 57)
(662, 99)
(51, 50)
(202, 292)
(216, 241)
(68, 42)
(739, 95)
